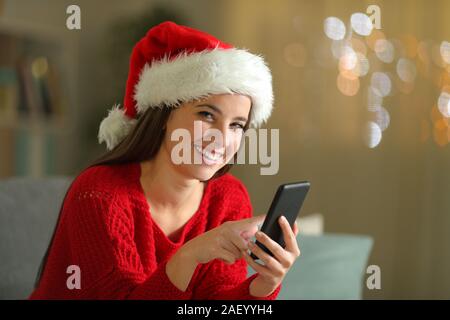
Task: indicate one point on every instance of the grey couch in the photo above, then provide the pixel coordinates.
(330, 267)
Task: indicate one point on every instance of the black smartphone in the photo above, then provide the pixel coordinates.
(288, 201)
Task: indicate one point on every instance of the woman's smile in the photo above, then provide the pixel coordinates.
(213, 157)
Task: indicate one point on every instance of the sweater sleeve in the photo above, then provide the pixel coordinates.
(101, 237)
(220, 281)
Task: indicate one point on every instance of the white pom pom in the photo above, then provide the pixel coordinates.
(115, 127)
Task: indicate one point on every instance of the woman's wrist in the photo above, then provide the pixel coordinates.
(260, 289)
(180, 268)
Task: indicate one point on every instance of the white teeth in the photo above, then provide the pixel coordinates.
(215, 157)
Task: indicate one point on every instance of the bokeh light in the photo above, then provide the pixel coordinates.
(406, 70)
(334, 28)
(384, 50)
(441, 124)
(349, 74)
(408, 55)
(381, 117)
(436, 56)
(381, 83)
(348, 59)
(440, 136)
(338, 48)
(444, 104)
(372, 134)
(347, 86)
(423, 51)
(362, 65)
(361, 24)
(374, 100)
(445, 51)
(435, 114)
(445, 81)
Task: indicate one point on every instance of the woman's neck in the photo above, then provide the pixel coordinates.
(166, 189)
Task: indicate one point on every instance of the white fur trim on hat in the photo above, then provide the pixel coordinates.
(198, 75)
(115, 127)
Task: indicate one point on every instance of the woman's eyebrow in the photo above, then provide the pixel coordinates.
(216, 109)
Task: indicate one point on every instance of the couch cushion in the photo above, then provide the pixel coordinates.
(331, 266)
(28, 213)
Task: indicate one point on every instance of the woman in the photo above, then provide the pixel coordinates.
(139, 224)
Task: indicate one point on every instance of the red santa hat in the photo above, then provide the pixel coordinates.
(174, 64)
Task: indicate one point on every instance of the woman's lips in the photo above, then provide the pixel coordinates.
(215, 156)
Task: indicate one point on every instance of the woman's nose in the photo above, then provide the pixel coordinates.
(227, 134)
(221, 129)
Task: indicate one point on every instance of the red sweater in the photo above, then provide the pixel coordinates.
(106, 229)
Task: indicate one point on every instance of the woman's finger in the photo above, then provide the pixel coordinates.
(289, 237)
(238, 241)
(262, 270)
(273, 247)
(270, 262)
(296, 229)
(250, 225)
(230, 247)
(235, 235)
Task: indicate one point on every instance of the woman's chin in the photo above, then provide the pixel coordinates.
(204, 172)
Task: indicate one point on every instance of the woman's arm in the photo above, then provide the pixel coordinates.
(261, 290)
(180, 269)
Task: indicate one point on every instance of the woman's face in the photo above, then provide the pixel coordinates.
(206, 134)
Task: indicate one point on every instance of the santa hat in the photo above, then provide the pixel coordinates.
(174, 64)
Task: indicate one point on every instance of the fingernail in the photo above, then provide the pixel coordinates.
(258, 233)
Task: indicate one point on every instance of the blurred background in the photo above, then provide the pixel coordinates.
(362, 105)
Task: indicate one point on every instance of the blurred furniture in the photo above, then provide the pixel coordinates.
(330, 267)
(37, 77)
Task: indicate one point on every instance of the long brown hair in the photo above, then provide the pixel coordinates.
(142, 143)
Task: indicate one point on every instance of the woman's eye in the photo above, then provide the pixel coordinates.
(237, 126)
(206, 114)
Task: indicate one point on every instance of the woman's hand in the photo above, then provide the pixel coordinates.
(226, 242)
(272, 273)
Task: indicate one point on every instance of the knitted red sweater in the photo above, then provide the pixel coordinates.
(107, 231)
